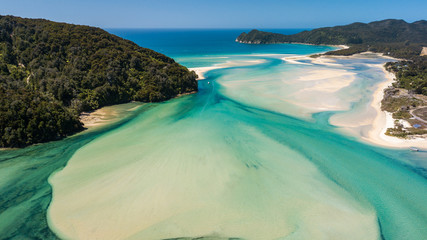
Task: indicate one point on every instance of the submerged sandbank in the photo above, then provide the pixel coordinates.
(207, 171)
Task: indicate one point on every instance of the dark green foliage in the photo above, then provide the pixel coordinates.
(411, 75)
(395, 38)
(28, 117)
(386, 31)
(404, 133)
(50, 72)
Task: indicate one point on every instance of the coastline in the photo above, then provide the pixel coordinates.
(200, 71)
(342, 46)
(137, 147)
(103, 116)
(107, 115)
(373, 128)
(384, 120)
(114, 113)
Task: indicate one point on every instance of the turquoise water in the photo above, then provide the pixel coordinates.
(178, 42)
(246, 157)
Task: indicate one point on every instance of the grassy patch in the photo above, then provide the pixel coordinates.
(395, 103)
(401, 114)
(404, 133)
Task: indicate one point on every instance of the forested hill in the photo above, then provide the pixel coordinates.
(50, 72)
(395, 38)
(386, 31)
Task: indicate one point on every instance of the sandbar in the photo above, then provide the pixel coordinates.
(108, 115)
(369, 125)
(200, 71)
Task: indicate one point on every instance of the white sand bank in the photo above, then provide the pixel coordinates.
(108, 114)
(384, 120)
(319, 88)
(371, 123)
(200, 71)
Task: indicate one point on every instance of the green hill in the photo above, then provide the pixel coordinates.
(50, 72)
(386, 31)
(395, 38)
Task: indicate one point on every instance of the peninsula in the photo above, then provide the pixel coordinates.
(406, 99)
(51, 72)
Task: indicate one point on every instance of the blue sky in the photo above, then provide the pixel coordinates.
(215, 14)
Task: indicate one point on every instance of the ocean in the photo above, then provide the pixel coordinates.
(264, 150)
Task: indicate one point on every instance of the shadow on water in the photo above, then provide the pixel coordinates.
(25, 193)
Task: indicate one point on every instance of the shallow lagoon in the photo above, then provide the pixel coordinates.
(245, 157)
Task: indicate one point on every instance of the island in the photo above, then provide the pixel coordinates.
(51, 72)
(406, 99)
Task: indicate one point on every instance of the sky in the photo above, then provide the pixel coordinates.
(215, 13)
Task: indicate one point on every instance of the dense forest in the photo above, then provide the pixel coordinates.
(395, 38)
(50, 72)
(387, 31)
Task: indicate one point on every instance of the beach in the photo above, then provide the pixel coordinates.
(384, 120)
(370, 123)
(318, 91)
(108, 115)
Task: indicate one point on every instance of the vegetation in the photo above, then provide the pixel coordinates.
(394, 101)
(383, 32)
(411, 75)
(399, 131)
(401, 103)
(395, 38)
(50, 72)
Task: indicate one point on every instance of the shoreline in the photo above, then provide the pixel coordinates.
(108, 115)
(382, 120)
(200, 71)
(342, 46)
(376, 126)
(113, 113)
(101, 117)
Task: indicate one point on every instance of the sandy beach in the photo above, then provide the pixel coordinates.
(372, 124)
(108, 114)
(369, 125)
(200, 71)
(318, 92)
(384, 120)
